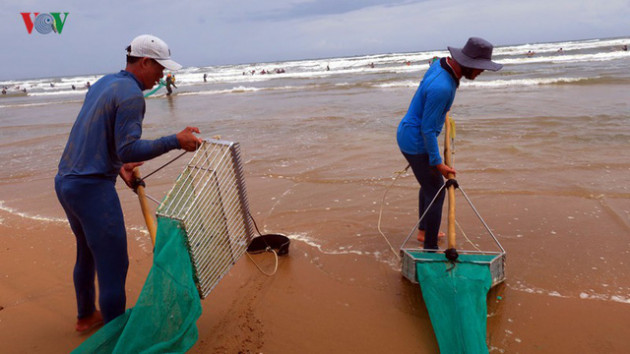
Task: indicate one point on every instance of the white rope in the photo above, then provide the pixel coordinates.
(466, 237)
(275, 268)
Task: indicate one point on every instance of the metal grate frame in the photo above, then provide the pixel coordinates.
(210, 201)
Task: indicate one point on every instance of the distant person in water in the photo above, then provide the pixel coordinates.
(419, 129)
(205, 77)
(170, 80)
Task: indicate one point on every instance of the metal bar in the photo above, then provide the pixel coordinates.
(422, 217)
(481, 219)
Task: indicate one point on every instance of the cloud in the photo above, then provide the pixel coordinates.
(316, 8)
(224, 31)
(434, 24)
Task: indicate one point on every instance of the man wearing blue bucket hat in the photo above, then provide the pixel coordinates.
(419, 129)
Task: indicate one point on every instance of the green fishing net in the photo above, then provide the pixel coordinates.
(164, 318)
(455, 296)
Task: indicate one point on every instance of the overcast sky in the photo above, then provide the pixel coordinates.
(212, 32)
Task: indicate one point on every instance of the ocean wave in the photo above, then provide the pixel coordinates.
(241, 89)
(16, 105)
(503, 83)
(60, 92)
(524, 82)
(565, 58)
(398, 69)
(238, 89)
(52, 85)
(37, 104)
(406, 83)
(589, 44)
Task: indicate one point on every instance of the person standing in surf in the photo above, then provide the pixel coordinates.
(170, 80)
(419, 129)
(105, 142)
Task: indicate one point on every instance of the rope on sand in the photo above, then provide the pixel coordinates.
(267, 249)
(275, 268)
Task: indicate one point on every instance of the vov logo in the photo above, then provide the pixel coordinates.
(44, 23)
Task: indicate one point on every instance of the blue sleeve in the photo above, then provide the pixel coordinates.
(129, 146)
(433, 116)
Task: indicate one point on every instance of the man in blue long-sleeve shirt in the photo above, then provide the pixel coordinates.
(418, 131)
(105, 141)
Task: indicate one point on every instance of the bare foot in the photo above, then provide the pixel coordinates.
(421, 235)
(87, 323)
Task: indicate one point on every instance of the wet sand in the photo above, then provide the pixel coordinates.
(320, 302)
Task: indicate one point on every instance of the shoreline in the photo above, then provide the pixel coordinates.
(320, 302)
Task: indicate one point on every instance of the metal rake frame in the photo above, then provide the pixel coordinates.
(209, 200)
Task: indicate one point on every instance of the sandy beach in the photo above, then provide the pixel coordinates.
(546, 164)
(319, 303)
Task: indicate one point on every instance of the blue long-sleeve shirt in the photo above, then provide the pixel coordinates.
(418, 130)
(108, 128)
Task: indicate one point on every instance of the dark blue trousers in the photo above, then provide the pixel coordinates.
(431, 181)
(95, 215)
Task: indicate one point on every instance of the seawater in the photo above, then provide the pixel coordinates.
(333, 117)
(550, 130)
(597, 61)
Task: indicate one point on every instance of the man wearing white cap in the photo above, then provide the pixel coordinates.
(105, 141)
(418, 131)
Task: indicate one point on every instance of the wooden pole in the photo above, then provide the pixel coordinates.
(451, 189)
(146, 211)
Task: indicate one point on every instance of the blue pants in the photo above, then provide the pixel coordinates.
(431, 181)
(93, 210)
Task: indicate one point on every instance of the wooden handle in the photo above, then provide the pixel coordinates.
(146, 211)
(451, 189)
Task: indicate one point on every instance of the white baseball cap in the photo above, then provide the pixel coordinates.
(148, 46)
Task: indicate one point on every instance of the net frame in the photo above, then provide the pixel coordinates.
(209, 200)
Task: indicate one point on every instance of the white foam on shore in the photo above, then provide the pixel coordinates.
(379, 256)
(583, 295)
(29, 216)
(311, 242)
(57, 93)
(397, 84)
(237, 89)
(20, 105)
(143, 240)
